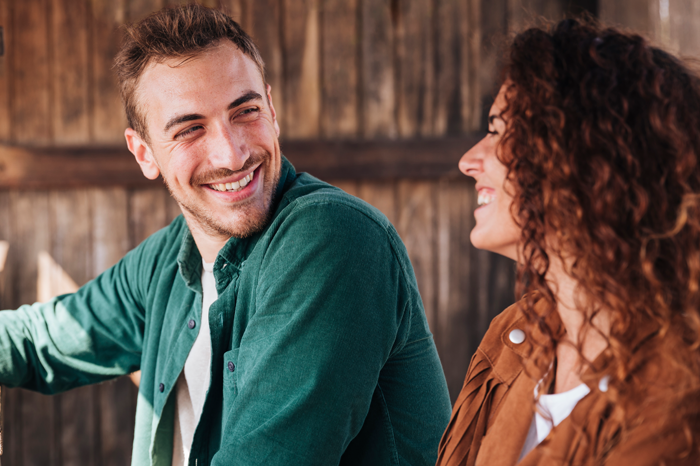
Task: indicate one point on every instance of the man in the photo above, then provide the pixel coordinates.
(277, 321)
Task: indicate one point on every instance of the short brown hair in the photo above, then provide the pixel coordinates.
(182, 32)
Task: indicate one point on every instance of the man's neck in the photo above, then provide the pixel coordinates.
(208, 243)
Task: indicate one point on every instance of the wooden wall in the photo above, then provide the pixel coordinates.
(339, 69)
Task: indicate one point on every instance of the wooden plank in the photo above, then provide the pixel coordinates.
(350, 187)
(417, 227)
(136, 10)
(455, 220)
(339, 68)
(302, 85)
(56, 168)
(172, 209)
(108, 120)
(382, 195)
(634, 15)
(414, 46)
(71, 239)
(450, 41)
(30, 69)
(5, 72)
(11, 398)
(493, 20)
(117, 399)
(264, 26)
(470, 85)
(683, 18)
(30, 234)
(528, 13)
(70, 83)
(148, 213)
(378, 107)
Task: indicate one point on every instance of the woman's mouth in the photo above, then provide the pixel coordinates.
(485, 197)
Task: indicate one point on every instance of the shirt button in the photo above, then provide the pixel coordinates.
(231, 366)
(603, 384)
(517, 336)
(191, 324)
(161, 387)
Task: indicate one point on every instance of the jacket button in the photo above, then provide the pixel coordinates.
(161, 387)
(191, 324)
(231, 366)
(603, 384)
(517, 336)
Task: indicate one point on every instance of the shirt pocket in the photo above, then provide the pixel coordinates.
(230, 374)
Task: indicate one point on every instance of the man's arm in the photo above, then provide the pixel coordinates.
(75, 339)
(328, 315)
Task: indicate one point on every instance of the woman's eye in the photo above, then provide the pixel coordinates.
(491, 132)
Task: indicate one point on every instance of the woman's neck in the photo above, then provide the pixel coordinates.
(592, 340)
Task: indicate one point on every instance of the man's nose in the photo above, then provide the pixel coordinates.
(227, 150)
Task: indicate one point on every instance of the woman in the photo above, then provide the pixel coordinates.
(589, 179)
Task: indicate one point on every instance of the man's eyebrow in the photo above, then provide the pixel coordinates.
(247, 97)
(181, 119)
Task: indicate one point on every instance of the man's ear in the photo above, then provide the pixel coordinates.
(272, 110)
(142, 153)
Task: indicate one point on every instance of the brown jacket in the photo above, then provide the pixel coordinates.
(493, 412)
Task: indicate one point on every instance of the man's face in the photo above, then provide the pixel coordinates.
(213, 137)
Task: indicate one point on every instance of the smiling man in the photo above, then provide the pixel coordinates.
(277, 321)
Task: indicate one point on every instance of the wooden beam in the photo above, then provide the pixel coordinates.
(27, 167)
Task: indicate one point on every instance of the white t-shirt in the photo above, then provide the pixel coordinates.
(551, 410)
(192, 385)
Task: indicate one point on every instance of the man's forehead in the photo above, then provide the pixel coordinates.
(222, 70)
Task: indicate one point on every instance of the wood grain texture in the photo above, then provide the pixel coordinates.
(263, 24)
(339, 69)
(73, 167)
(30, 67)
(470, 36)
(416, 224)
(69, 71)
(117, 399)
(302, 73)
(5, 73)
(148, 213)
(107, 117)
(635, 15)
(448, 16)
(30, 234)
(71, 239)
(414, 54)
(455, 221)
(382, 195)
(378, 109)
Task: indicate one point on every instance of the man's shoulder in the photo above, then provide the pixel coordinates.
(307, 194)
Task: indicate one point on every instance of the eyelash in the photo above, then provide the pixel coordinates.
(194, 128)
(491, 132)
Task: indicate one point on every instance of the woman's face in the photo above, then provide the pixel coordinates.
(495, 228)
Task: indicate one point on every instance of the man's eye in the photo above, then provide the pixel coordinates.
(248, 111)
(187, 132)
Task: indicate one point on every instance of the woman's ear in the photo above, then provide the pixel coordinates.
(143, 154)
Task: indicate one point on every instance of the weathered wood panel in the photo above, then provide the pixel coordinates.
(302, 74)
(5, 74)
(69, 117)
(339, 69)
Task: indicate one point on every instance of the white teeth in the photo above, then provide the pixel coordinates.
(485, 198)
(233, 187)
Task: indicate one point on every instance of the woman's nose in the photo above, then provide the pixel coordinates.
(471, 163)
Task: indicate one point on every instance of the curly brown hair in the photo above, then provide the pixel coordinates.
(602, 148)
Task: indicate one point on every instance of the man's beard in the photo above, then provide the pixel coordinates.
(254, 217)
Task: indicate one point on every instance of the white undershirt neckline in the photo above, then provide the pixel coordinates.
(551, 410)
(193, 382)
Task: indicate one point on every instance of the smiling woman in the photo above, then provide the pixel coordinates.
(589, 178)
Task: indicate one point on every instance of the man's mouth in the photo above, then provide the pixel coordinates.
(485, 197)
(234, 186)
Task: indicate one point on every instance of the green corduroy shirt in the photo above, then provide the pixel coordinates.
(321, 353)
